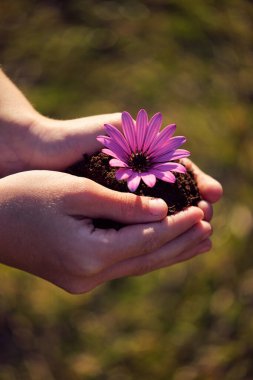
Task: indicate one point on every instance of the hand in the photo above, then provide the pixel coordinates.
(29, 140)
(46, 229)
(210, 189)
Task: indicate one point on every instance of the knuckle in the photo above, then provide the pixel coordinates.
(78, 185)
(150, 242)
(172, 222)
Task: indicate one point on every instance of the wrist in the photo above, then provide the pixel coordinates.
(19, 138)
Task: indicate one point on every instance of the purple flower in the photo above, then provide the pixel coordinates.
(141, 152)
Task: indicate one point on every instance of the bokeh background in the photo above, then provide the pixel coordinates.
(193, 61)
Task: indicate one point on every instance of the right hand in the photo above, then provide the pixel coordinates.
(211, 190)
(47, 230)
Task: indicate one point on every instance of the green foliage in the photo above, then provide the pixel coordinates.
(193, 62)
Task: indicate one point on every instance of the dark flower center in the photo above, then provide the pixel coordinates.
(139, 162)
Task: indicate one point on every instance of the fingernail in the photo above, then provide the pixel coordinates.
(158, 207)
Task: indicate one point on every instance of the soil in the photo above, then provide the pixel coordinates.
(178, 196)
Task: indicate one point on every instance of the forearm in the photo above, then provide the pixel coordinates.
(17, 132)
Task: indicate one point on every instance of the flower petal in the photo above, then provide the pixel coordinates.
(174, 155)
(110, 153)
(123, 174)
(175, 142)
(116, 135)
(166, 176)
(113, 146)
(172, 144)
(129, 130)
(149, 179)
(162, 137)
(133, 181)
(152, 130)
(172, 166)
(117, 163)
(141, 126)
(180, 153)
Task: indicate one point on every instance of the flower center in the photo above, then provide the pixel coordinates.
(139, 162)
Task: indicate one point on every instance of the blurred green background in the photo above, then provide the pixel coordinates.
(191, 60)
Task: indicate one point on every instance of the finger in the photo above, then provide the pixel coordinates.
(204, 246)
(201, 248)
(92, 200)
(210, 189)
(140, 240)
(131, 241)
(167, 255)
(84, 285)
(207, 209)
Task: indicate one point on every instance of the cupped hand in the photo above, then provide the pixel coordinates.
(47, 230)
(29, 140)
(37, 142)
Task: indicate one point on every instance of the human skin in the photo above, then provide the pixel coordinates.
(46, 216)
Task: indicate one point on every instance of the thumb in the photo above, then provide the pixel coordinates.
(210, 189)
(96, 201)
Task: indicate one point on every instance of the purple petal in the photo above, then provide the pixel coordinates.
(162, 137)
(116, 135)
(172, 166)
(175, 142)
(133, 181)
(123, 174)
(110, 153)
(113, 146)
(149, 179)
(174, 155)
(101, 138)
(129, 130)
(180, 153)
(166, 176)
(152, 130)
(117, 163)
(171, 145)
(141, 126)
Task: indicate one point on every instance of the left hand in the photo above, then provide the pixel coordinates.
(29, 140)
(61, 143)
(38, 142)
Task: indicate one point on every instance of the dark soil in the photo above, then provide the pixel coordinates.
(178, 196)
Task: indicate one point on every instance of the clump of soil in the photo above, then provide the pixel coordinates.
(178, 196)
